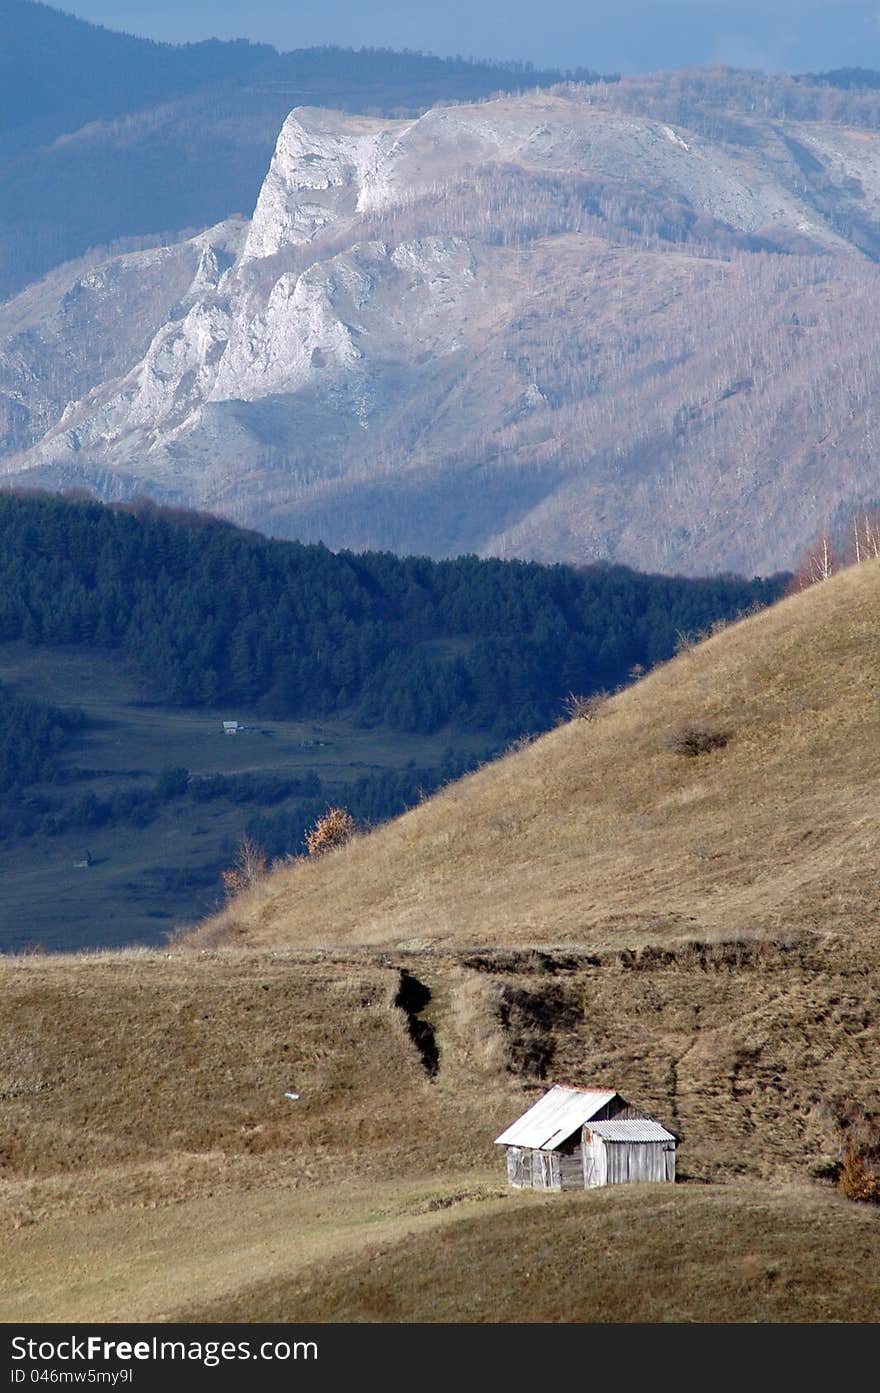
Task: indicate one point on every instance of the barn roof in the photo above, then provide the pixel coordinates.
(631, 1129)
(551, 1121)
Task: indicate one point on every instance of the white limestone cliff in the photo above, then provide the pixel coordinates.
(321, 162)
(378, 317)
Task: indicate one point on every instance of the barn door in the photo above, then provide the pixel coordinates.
(590, 1145)
(546, 1171)
(589, 1168)
(594, 1160)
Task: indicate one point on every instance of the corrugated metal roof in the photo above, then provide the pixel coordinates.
(551, 1121)
(631, 1129)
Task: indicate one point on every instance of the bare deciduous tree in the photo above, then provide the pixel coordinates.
(818, 563)
(864, 538)
(248, 868)
(584, 708)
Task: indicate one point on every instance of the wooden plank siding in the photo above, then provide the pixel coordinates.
(590, 1164)
(633, 1161)
(534, 1170)
(586, 1159)
(571, 1171)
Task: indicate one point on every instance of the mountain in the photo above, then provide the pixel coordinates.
(109, 138)
(625, 322)
(724, 794)
(59, 73)
(74, 99)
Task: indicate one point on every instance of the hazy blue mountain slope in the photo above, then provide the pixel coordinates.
(105, 136)
(58, 73)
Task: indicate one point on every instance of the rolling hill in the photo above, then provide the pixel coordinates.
(363, 679)
(612, 830)
(697, 930)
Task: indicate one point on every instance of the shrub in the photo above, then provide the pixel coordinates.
(334, 828)
(693, 739)
(522, 742)
(584, 708)
(856, 1181)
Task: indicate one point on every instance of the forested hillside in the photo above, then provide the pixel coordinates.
(127, 634)
(214, 614)
(32, 735)
(58, 72)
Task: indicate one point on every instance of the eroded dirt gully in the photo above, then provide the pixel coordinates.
(758, 1053)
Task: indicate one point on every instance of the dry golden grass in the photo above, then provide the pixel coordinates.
(149, 1262)
(601, 833)
(150, 1161)
(147, 1150)
(716, 961)
(627, 1253)
(115, 1061)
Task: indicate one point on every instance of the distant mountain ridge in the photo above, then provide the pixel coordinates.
(57, 72)
(562, 325)
(105, 136)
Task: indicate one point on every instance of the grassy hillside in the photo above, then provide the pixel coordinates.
(148, 1152)
(152, 1168)
(721, 1255)
(397, 672)
(609, 832)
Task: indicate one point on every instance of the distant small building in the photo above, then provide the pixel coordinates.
(231, 727)
(576, 1139)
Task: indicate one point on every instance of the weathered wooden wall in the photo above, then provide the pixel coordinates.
(535, 1170)
(595, 1163)
(591, 1163)
(636, 1160)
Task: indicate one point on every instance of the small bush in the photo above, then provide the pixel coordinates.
(522, 742)
(334, 828)
(692, 739)
(584, 708)
(856, 1181)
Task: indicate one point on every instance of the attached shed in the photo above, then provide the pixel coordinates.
(575, 1139)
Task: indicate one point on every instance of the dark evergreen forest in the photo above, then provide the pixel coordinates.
(215, 614)
(32, 735)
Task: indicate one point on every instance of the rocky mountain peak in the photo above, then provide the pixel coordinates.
(539, 325)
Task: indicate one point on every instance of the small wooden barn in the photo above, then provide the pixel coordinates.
(575, 1139)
